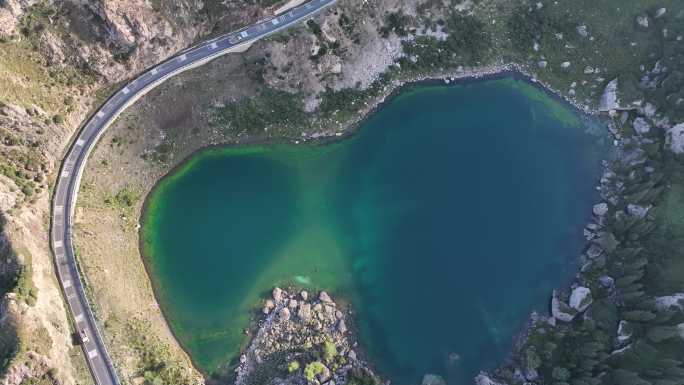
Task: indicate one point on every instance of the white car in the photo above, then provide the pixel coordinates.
(83, 336)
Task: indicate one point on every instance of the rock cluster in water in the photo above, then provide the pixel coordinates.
(302, 340)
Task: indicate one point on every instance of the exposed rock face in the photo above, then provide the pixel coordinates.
(609, 99)
(10, 13)
(580, 299)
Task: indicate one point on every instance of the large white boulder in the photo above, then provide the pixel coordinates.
(580, 299)
(670, 301)
(675, 138)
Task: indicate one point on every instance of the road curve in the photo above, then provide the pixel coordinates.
(68, 180)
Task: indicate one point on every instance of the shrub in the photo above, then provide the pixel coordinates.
(313, 369)
(293, 366)
(58, 119)
(329, 351)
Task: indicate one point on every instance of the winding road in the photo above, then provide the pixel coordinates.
(68, 180)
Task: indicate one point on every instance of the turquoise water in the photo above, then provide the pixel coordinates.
(445, 221)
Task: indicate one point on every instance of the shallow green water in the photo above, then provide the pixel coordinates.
(446, 220)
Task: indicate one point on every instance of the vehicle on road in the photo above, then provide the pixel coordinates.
(83, 336)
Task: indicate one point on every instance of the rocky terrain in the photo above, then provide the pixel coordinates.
(58, 58)
(303, 340)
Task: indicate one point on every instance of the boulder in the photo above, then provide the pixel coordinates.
(637, 211)
(641, 126)
(623, 332)
(594, 251)
(670, 301)
(531, 374)
(582, 30)
(606, 281)
(660, 12)
(588, 70)
(675, 138)
(542, 64)
(561, 311)
(341, 326)
(565, 65)
(292, 304)
(304, 312)
(642, 21)
(600, 209)
(324, 297)
(284, 314)
(580, 299)
(484, 379)
(278, 295)
(433, 379)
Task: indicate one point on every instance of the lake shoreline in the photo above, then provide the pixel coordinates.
(352, 127)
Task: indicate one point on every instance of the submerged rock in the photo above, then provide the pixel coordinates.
(433, 379)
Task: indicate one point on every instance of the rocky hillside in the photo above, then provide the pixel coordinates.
(57, 60)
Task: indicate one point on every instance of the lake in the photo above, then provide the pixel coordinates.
(444, 221)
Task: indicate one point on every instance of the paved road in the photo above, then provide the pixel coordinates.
(68, 181)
